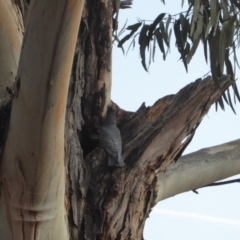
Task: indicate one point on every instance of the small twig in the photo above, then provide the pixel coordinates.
(195, 191)
(218, 184)
(222, 183)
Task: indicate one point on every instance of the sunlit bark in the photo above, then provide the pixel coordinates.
(10, 44)
(33, 170)
(200, 168)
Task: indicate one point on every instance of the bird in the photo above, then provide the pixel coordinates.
(110, 139)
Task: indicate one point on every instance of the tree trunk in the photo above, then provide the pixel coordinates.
(114, 203)
(32, 165)
(100, 202)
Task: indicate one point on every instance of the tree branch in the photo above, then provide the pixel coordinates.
(200, 168)
(157, 135)
(153, 137)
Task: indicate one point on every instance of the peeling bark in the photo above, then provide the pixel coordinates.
(153, 138)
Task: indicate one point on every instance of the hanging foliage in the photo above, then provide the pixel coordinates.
(215, 23)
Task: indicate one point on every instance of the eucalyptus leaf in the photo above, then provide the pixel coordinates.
(230, 101)
(195, 15)
(192, 50)
(160, 43)
(133, 29)
(143, 42)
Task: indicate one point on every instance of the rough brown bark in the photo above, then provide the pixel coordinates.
(119, 200)
(114, 203)
(108, 203)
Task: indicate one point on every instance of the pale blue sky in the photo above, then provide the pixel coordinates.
(183, 216)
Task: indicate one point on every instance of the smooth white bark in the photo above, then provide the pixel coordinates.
(11, 33)
(33, 171)
(199, 169)
(10, 44)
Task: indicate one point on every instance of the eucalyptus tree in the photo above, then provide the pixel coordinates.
(55, 86)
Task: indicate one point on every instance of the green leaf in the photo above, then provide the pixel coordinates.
(192, 50)
(184, 54)
(116, 39)
(153, 26)
(199, 28)
(133, 29)
(154, 47)
(158, 19)
(209, 25)
(220, 102)
(169, 40)
(185, 27)
(195, 15)
(228, 64)
(231, 29)
(143, 42)
(205, 50)
(225, 98)
(215, 25)
(162, 28)
(230, 100)
(226, 39)
(205, 16)
(235, 55)
(213, 41)
(226, 14)
(132, 43)
(177, 32)
(150, 54)
(235, 89)
(213, 9)
(236, 3)
(168, 22)
(164, 34)
(160, 42)
(213, 17)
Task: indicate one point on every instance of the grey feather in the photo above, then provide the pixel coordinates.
(110, 139)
